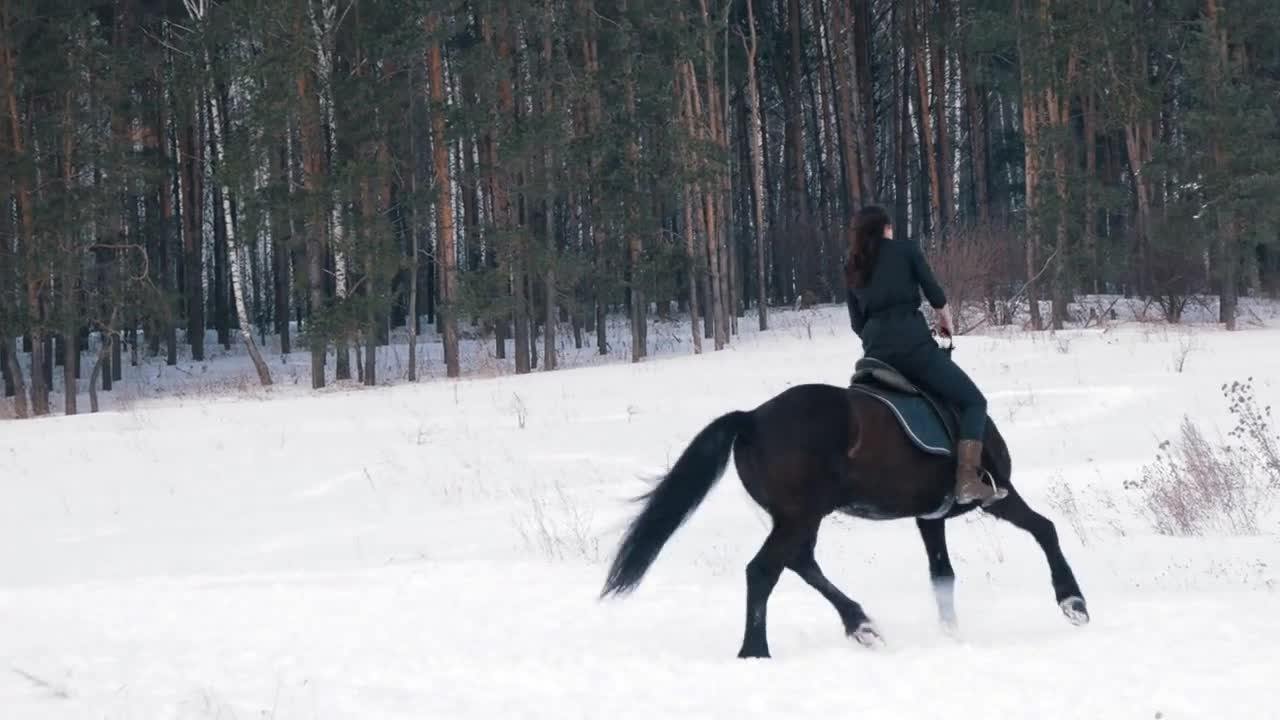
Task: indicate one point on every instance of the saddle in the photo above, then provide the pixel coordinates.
(929, 423)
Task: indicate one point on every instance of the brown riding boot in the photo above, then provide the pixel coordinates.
(969, 484)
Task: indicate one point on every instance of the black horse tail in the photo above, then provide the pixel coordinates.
(673, 500)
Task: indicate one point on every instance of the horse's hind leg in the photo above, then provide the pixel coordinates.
(943, 577)
(856, 623)
(784, 541)
(1015, 510)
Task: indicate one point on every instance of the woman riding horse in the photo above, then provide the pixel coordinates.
(884, 279)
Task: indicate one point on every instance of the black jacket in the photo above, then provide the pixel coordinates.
(885, 314)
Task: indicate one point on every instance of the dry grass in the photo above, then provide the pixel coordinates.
(1198, 486)
(556, 527)
(1185, 345)
(1063, 500)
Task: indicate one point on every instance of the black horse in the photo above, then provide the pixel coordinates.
(808, 452)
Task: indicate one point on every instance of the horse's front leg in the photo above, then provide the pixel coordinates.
(1015, 510)
(942, 576)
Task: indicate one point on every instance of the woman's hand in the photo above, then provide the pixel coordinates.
(946, 325)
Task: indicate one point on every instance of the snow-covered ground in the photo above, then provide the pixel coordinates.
(206, 549)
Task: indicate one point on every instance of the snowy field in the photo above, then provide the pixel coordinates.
(207, 549)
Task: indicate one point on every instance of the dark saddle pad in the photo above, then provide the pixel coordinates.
(930, 424)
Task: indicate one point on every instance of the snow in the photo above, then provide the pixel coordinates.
(207, 549)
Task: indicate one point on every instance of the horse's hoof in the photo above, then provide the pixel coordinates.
(756, 654)
(867, 635)
(1075, 610)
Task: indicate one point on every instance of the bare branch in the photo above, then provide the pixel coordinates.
(1016, 297)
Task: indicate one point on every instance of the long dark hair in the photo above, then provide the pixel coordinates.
(865, 236)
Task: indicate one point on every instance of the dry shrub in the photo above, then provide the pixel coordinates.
(974, 265)
(1063, 499)
(238, 385)
(1182, 350)
(1174, 265)
(1175, 282)
(1197, 486)
(1100, 311)
(553, 525)
(1253, 430)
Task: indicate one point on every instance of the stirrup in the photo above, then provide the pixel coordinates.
(998, 493)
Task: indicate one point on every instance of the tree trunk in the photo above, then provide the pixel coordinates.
(192, 230)
(690, 221)
(1136, 151)
(70, 363)
(717, 192)
(413, 233)
(469, 189)
(938, 52)
(70, 271)
(757, 175)
(13, 376)
(848, 110)
(1060, 290)
(233, 247)
(101, 366)
(522, 294)
(369, 374)
(169, 240)
(1090, 203)
(864, 108)
(39, 359)
(636, 301)
(1031, 134)
(367, 339)
(447, 249)
(975, 108)
(792, 205)
(281, 237)
(925, 119)
(496, 178)
(707, 206)
(1228, 235)
(34, 279)
(324, 17)
(633, 237)
(1057, 105)
(117, 359)
(595, 115)
(313, 165)
(514, 270)
(828, 111)
(798, 197)
(901, 114)
(719, 113)
(218, 298)
(550, 320)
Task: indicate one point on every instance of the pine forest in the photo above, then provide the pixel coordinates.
(319, 176)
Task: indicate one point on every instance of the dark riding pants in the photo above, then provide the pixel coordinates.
(930, 368)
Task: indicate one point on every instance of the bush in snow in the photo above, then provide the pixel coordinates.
(1197, 486)
(1253, 430)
